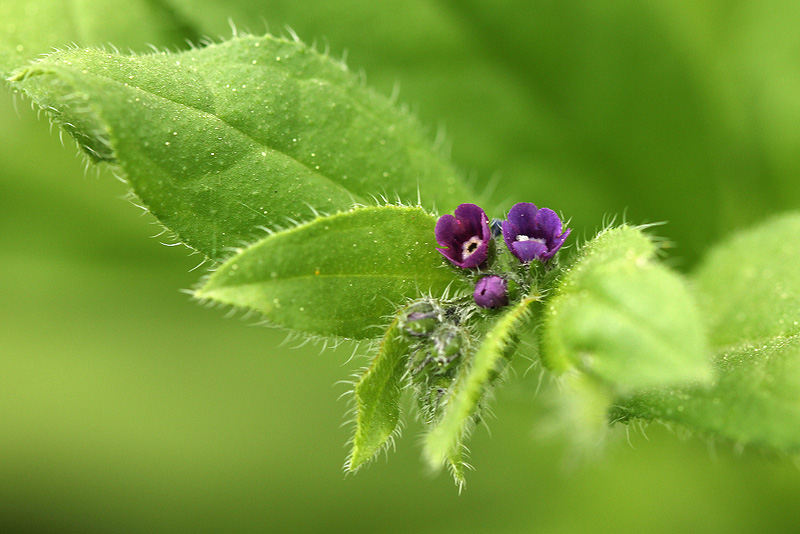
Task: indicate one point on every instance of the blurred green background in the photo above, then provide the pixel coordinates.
(124, 406)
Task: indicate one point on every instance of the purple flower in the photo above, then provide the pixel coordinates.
(464, 238)
(491, 292)
(533, 234)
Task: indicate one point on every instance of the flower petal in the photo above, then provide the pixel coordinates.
(548, 225)
(472, 218)
(522, 217)
(529, 250)
(556, 244)
(446, 229)
(509, 233)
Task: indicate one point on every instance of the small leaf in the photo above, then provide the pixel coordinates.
(339, 275)
(219, 141)
(751, 292)
(625, 319)
(457, 466)
(34, 27)
(445, 440)
(377, 396)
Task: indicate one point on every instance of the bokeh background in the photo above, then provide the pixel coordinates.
(126, 407)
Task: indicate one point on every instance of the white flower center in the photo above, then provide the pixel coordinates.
(537, 239)
(471, 246)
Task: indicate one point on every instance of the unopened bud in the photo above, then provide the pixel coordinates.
(448, 340)
(421, 318)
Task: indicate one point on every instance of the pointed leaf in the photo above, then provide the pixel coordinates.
(339, 275)
(250, 132)
(445, 440)
(625, 319)
(377, 396)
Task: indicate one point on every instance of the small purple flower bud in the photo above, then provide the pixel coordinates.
(533, 234)
(464, 238)
(491, 292)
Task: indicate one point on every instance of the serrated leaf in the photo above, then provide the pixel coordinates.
(623, 318)
(445, 439)
(377, 397)
(751, 292)
(340, 275)
(34, 27)
(246, 133)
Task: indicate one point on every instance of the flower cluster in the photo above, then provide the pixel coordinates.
(530, 233)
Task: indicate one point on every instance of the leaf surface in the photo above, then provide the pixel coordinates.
(750, 284)
(625, 319)
(337, 276)
(751, 293)
(33, 27)
(377, 396)
(246, 133)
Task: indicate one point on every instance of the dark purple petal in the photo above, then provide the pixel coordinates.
(471, 218)
(491, 292)
(510, 233)
(529, 250)
(533, 234)
(520, 222)
(446, 229)
(547, 225)
(523, 217)
(464, 238)
(557, 242)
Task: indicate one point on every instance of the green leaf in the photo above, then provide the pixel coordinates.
(751, 293)
(34, 27)
(755, 401)
(623, 318)
(339, 275)
(751, 284)
(250, 132)
(444, 442)
(377, 396)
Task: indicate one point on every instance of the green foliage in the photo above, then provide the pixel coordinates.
(250, 132)
(750, 284)
(33, 27)
(463, 404)
(256, 132)
(623, 318)
(751, 293)
(377, 397)
(339, 275)
(754, 402)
